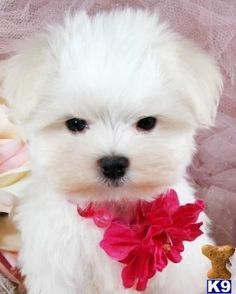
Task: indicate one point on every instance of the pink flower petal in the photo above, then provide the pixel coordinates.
(160, 258)
(119, 240)
(15, 161)
(140, 268)
(168, 202)
(187, 214)
(174, 255)
(9, 149)
(161, 217)
(194, 231)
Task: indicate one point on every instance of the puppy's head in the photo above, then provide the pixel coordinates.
(111, 103)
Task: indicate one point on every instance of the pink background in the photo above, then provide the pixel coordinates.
(212, 24)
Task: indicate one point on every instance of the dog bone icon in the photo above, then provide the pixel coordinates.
(219, 257)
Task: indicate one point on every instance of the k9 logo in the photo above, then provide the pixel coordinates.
(219, 286)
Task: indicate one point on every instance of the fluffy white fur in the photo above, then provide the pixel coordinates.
(111, 69)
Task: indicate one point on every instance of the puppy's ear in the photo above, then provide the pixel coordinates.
(202, 82)
(21, 78)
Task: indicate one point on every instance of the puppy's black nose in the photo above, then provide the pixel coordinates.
(114, 167)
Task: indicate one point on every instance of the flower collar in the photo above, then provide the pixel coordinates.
(145, 236)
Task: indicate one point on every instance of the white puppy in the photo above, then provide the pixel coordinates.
(110, 105)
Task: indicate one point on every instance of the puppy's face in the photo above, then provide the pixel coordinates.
(104, 144)
(111, 106)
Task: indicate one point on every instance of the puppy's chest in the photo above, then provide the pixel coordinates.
(86, 263)
(69, 247)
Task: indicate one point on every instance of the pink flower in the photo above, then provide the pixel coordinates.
(154, 236)
(148, 237)
(13, 149)
(13, 154)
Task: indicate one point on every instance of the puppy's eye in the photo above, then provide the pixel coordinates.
(146, 123)
(76, 125)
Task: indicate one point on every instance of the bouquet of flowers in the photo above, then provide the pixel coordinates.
(14, 176)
